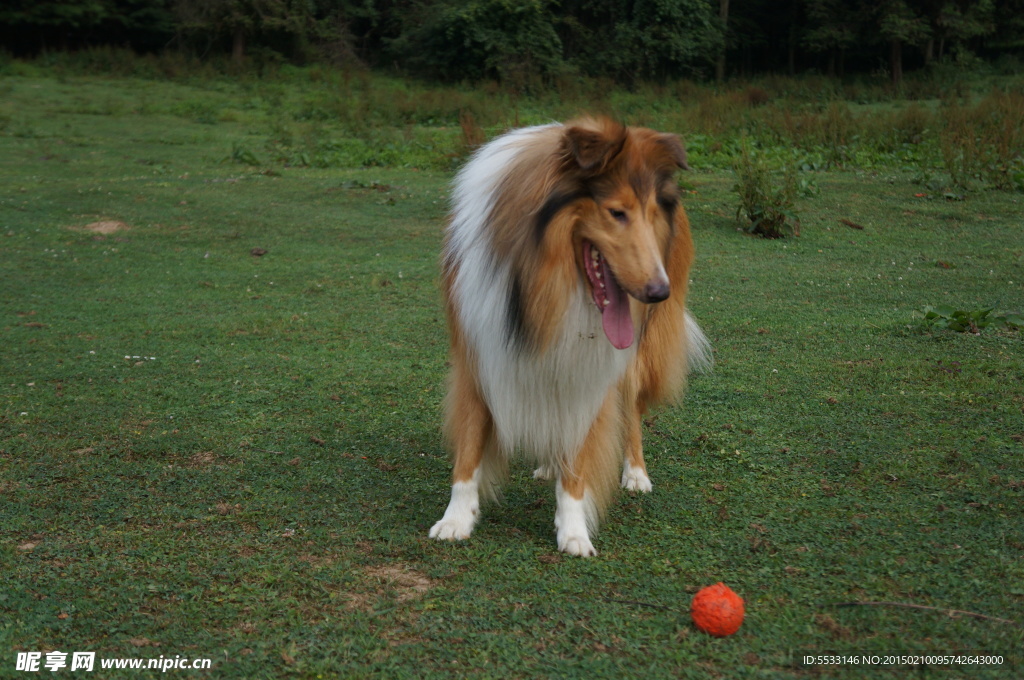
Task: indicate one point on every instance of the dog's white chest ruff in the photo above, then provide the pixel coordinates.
(544, 403)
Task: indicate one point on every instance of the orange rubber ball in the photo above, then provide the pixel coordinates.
(717, 610)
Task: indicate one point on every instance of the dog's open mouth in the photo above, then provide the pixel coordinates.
(611, 300)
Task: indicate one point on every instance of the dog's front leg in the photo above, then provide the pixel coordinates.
(586, 483)
(470, 431)
(463, 510)
(571, 520)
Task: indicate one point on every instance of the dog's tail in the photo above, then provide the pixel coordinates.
(699, 356)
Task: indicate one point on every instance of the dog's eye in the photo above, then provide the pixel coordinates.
(617, 215)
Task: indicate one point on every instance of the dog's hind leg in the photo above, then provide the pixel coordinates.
(634, 469)
(544, 473)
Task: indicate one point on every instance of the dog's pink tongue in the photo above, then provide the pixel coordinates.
(616, 320)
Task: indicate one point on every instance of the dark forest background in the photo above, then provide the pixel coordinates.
(528, 42)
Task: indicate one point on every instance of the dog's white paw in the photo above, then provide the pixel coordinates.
(571, 523)
(544, 473)
(452, 528)
(463, 510)
(635, 479)
(576, 545)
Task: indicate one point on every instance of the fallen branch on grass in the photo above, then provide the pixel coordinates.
(638, 604)
(950, 612)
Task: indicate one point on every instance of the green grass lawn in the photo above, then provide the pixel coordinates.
(207, 453)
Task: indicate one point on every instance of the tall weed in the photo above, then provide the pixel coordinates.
(985, 142)
(769, 209)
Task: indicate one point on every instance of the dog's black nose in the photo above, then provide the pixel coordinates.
(656, 291)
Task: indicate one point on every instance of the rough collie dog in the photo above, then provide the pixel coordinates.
(564, 272)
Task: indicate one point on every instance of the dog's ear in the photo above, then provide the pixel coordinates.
(593, 149)
(675, 147)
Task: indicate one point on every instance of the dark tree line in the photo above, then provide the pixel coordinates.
(519, 41)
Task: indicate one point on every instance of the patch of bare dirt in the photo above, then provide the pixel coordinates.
(396, 581)
(202, 459)
(406, 584)
(105, 227)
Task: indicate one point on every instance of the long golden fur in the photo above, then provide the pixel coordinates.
(565, 273)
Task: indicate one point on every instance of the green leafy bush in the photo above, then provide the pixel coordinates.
(242, 156)
(944, 317)
(769, 209)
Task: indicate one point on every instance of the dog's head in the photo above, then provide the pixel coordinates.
(627, 215)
